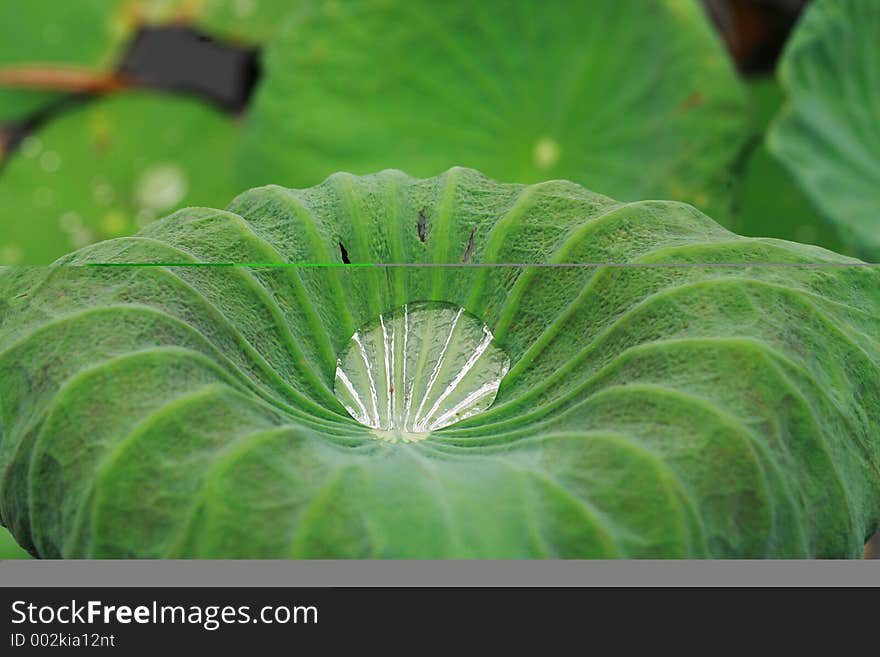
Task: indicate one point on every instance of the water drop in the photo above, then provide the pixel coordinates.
(11, 254)
(103, 193)
(418, 369)
(245, 8)
(82, 237)
(144, 217)
(50, 161)
(31, 146)
(546, 153)
(161, 187)
(70, 222)
(114, 223)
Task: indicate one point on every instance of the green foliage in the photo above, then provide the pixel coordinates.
(9, 549)
(70, 33)
(634, 99)
(81, 177)
(248, 21)
(772, 204)
(664, 411)
(109, 166)
(829, 134)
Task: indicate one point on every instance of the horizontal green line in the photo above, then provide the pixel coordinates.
(633, 265)
(230, 264)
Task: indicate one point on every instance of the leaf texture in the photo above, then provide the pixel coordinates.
(670, 408)
(631, 98)
(829, 133)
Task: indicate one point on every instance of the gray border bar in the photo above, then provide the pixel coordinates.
(230, 574)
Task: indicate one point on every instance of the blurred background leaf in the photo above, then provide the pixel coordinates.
(667, 159)
(828, 135)
(70, 33)
(633, 99)
(251, 21)
(108, 167)
(771, 202)
(9, 549)
(100, 168)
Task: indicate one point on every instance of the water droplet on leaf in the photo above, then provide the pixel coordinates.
(82, 237)
(103, 193)
(245, 8)
(546, 153)
(418, 369)
(31, 146)
(50, 161)
(11, 254)
(144, 217)
(114, 223)
(161, 187)
(70, 222)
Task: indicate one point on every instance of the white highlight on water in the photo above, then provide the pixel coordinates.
(419, 425)
(418, 369)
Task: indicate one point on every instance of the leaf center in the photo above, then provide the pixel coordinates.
(419, 368)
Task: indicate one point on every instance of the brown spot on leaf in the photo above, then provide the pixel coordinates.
(691, 102)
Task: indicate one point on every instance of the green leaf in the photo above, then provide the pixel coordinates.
(86, 175)
(86, 33)
(771, 203)
(9, 549)
(251, 21)
(93, 33)
(667, 409)
(634, 99)
(105, 168)
(81, 177)
(829, 134)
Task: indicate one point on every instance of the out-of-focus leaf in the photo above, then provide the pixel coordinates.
(828, 135)
(9, 549)
(87, 33)
(251, 21)
(634, 99)
(771, 204)
(105, 168)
